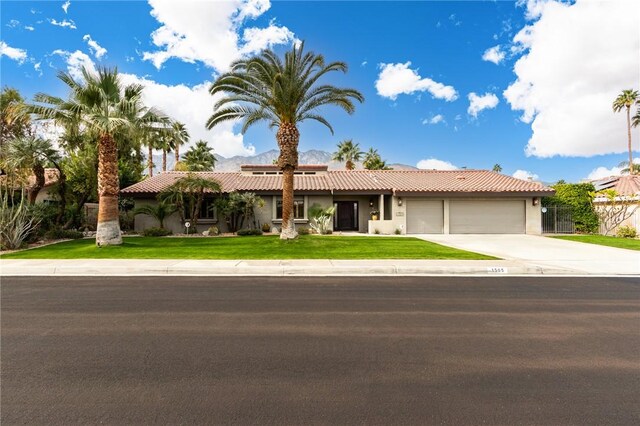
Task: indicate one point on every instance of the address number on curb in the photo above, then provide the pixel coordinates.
(497, 270)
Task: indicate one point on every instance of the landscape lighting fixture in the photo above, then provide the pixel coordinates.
(400, 201)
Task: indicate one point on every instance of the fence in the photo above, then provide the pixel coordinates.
(557, 220)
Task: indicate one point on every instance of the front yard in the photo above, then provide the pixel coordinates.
(625, 243)
(257, 247)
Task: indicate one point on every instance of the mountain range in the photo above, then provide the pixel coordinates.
(231, 164)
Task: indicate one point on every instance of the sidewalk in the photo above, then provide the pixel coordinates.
(110, 267)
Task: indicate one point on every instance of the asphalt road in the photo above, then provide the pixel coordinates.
(432, 350)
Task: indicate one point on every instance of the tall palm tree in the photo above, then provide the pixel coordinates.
(180, 136)
(283, 93)
(32, 154)
(200, 158)
(625, 100)
(104, 106)
(373, 161)
(348, 152)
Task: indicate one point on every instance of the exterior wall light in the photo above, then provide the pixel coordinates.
(400, 201)
(535, 201)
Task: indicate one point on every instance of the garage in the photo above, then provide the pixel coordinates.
(425, 216)
(487, 217)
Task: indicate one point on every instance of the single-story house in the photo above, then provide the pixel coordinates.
(628, 192)
(407, 201)
(48, 192)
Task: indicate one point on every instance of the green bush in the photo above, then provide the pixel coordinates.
(156, 232)
(304, 231)
(376, 231)
(62, 234)
(626, 232)
(245, 232)
(213, 230)
(266, 227)
(579, 196)
(398, 231)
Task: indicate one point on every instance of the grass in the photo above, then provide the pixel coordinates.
(256, 247)
(625, 243)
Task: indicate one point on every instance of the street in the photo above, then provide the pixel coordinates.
(342, 350)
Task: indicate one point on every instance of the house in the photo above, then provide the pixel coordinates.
(408, 201)
(47, 193)
(628, 192)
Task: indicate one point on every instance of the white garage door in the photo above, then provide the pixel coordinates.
(424, 216)
(486, 217)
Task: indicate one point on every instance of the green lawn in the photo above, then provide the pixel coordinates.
(625, 243)
(256, 247)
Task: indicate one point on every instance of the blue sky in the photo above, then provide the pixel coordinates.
(527, 85)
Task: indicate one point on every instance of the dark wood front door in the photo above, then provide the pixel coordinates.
(346, 216)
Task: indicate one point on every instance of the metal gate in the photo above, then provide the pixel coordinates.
(558, 220)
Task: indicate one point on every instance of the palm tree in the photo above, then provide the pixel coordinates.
(180, 137)
(635, 120)
(349, 152)
(625, 100)
(159, 211)
(497, 168)
(373, 161)
(188, 192)
(631, 170)
(200, 158)
(32, 154)
(283, 93)
(102, 105)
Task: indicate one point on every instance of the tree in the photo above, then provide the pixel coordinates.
(348, 152)
(625, 101)
(32, 154)
(180, 137)
(627, 169)
(238, 210)
(200, 158)
(101, 104)
(159, 211)
(13, 123)
(283, 93)
(635, 120)
(188, 193)
(613, 209)
(373, 161)
(497, 168)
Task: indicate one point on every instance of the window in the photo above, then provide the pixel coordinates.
(298, 208)
(207, 210)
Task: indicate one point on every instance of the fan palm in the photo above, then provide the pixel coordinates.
(159, 211)
(283, 93)
(625, 100)
(373, 161)
(101, 104)
(180, 136)
(200, 158)
(348, 152)
(189, 192)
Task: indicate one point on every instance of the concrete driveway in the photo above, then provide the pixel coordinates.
(565, 256)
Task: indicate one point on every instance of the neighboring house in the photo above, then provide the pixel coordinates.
(48, 191)
(628, 191)
(411, 201)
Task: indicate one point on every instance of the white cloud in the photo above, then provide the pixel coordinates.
(29, 28)
(97, 50)
(434, 120)
(13, 23)
(363, 64)
(37, 67)
(190, 29)
(75, 62)
(64, 23)
(435, 164)
(493, 54)
(14, 53)
(524, 175)
(603, 172)
(578, 57)
(480, 103)
(66, 5)
(396, 79)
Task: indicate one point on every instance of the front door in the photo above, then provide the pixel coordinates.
(346, 218)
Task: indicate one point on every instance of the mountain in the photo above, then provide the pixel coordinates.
(231, 164)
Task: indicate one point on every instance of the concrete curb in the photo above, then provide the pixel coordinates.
(108, 267)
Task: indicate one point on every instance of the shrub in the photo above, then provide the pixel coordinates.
(304, 231)
(398, 231)
(245, 232)
(626, 232)
(127, 219)
(266, 227)
(376, 231)
(63, 234)
(16, 221)
(213, 230)
(156, 232)
(321, 219)
(580, 197)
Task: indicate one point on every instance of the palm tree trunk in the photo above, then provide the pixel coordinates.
(108, 231)
(176, 151)
(38, 171)
(629, 134)
(164, 160)
(150, 160)
(288, 137)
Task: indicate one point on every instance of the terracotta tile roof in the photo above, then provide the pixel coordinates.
(50, 178)
(379, 181)
(626, 186)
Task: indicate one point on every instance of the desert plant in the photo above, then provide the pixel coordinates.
(266, 227)
(321, 219)
(213, 230)
(626, 232)
(156, 232)
(398, 231)
(159, 211)
(614, 210)
(376, 231)
(16, 221)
